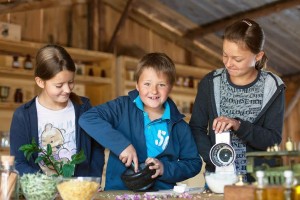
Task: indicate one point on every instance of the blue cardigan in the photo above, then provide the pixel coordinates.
(24, 128)
(119, 123)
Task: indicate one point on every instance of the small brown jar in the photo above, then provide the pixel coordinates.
(18, 96)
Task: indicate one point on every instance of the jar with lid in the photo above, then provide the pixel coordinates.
(18, 96)
(27, 62)
(15, 62)
(191, 82)
(260, 192)
(288, 184)
(289, 145)
(9, 179)
(91, 72)
(103, 73)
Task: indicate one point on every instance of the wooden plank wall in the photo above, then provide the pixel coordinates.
(291, 123)
(68, 25)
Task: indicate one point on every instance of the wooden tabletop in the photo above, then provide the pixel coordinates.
(123, 194)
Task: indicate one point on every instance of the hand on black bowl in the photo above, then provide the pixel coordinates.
(141, 180)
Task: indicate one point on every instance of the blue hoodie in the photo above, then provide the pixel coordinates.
(24, 128)
(119, 123)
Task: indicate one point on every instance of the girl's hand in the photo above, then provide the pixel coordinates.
(158, 166)
(222, 123)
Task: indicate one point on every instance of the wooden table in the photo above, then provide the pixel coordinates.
(113, 194)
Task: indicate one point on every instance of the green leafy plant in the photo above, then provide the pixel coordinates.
(62, 168)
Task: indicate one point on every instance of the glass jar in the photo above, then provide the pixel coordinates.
(18, 96)
(91, 72)
(103, 73)
(15, 63)
(27, 62)
(260, 192)
(9, 179)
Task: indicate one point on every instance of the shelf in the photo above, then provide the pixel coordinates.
(29, 74)
(181, 90)
(185, 90)
(188, 70)
(23, 48)
(4, 151)
(98, 89)
(92, 80)
(273, 153)
(9, 105)
(11, 72)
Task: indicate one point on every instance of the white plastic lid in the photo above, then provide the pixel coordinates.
(288, 173)
(260, 174)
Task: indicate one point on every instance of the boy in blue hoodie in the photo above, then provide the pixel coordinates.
(145, 126)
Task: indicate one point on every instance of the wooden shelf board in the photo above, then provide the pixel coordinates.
(183, 90)
(92, 80)
(23, 48)
(9, 105)
(12, 72)
(273, 153)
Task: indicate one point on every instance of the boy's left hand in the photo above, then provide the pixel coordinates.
(158, 166)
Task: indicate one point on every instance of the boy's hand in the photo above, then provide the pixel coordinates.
(158, 166)
(128, 156)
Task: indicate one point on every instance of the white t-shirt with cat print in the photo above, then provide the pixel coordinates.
(57, 128)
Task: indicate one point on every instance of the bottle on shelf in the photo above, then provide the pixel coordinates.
(79, 68)
(15, 62)
(288, 184)
(28, 63)
(18, 96)
(191, 82)
(186, 82)
(4, 92)
(9, 178)
(179, 81)
(91, 72)
(103, 73)
(260, 192)
(289, 145)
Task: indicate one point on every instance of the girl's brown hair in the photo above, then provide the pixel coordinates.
(52, 59)
(249, 33)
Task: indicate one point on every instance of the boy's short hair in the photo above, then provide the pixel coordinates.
(160, 62)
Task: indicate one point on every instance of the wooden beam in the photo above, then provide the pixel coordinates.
(102, 25)
(120, 24)
(95, 25)
(265, 10)
(194, 47)
(90, 19)
(26, 5)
